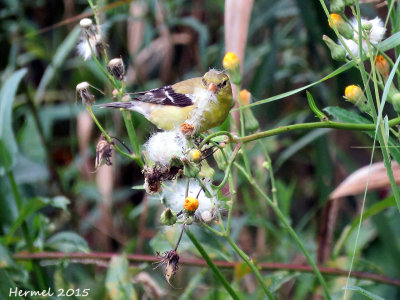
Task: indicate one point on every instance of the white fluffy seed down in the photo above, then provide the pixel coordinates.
(166, 145)
(174, 196)
(374, 37)
(85, 48)
(202, 102)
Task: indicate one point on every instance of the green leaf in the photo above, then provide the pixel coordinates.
(32, 206)
(67, 241)
(118, 280)
(390, 43)
(8, 145)
(363, 292)
(59, 57)
(352, 117)
(314, 107)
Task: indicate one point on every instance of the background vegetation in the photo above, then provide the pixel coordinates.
(52, 201)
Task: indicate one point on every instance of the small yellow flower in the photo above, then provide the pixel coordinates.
(191, 204)
(337, 20)
(195, 155)
(353, 93)
(230, 61)
(245, 97)
(382, 65)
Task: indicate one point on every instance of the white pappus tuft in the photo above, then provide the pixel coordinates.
(87, 45)
(202, 102)
(166, 145)
(174, 197)
(375, 34)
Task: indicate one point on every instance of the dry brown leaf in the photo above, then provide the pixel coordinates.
(355, 183)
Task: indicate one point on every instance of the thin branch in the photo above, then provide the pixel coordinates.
(98, 256)
(308, 126)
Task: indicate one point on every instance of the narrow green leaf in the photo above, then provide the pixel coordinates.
(390, 43)
(339, 70)
(7, 285)
(363, 292)
(314, 107)
(301, 143)
(59, 57)
(8, 145)
(370, 212)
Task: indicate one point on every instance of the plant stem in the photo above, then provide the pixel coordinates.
(99, 257)
(308, 126)
(252, 266)
(211, 264)
(283, 219)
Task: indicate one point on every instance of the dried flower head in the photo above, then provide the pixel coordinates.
(187, 129)
(91, 41)
(87, 27)
(171, 260)
(82, 89)
(153, 177)
(103, 152)
(116, 68)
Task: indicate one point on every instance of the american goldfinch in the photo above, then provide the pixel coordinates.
(201, 102)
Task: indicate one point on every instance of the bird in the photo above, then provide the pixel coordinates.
(201, 102)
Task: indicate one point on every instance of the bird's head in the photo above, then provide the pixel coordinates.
(217, 82)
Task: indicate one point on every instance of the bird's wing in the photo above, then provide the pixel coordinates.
(164, 96)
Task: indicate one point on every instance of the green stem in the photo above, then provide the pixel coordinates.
(307, 126)
(131, 156)
(252, 266)
(283, 219)
(212, 266)
(215, 134)
(25, 230)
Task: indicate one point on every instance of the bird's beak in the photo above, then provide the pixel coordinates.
(212, 87)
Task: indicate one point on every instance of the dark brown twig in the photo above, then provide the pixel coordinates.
(92, 257)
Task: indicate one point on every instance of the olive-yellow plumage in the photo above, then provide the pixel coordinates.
(203, 102)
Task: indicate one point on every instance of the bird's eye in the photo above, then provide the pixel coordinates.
(204, 81)
(223, 83)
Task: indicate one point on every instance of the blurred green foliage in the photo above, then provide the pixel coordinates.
(49, 195)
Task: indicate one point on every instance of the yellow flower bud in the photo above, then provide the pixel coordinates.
(191, 204)
(344, 29)
(195, 155)
(232, 65)
(355, 95)
(245, 97)
(382, 65)
(230, 61)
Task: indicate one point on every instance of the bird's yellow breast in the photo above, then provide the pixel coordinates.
(169, 117)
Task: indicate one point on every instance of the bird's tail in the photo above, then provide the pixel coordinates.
(125, 105)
